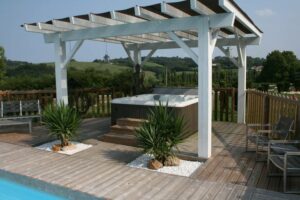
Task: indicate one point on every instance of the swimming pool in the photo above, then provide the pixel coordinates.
(13, 191)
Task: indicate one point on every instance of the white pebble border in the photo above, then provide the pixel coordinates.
(186, 168)
(79, 147)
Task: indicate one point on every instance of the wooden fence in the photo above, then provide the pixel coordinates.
(96, 102)
(225, 104)
(263, 107)
(89, 102)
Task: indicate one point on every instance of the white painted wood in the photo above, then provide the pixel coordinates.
(131, 58)
(222, 21)
(73, 52)
(36, 29)
(177, 24)
(194, 43)
(204, 88)
(242, 85)
(229, 55)
(61, 72)
(172, 11)
(181, 44)
(150, 54)
(148, 15)
(200, 8)
(50, 27)
(137, 55)
(157, 37)
(229, 7)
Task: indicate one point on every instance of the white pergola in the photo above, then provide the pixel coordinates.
(199, 24)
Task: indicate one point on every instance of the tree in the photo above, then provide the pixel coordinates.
(2, 62)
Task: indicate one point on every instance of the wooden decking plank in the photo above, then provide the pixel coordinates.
(158, 187)
(140, 187)
(138, 192)
(203, 188)
(95, 181)
(256, 174)
(225, 191)
(116, 184)
(264, 179)
(188, 193)
(75, 172)
(175, 192)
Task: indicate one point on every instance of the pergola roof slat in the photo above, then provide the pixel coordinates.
(242, 26)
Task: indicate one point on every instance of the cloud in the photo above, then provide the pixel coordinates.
(265, 12)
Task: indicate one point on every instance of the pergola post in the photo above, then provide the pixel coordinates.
(137, 57)
(205, 49)
(242, 84)
(61, 72)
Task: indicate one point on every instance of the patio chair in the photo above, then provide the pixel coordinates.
(285, 156)
(265, 132)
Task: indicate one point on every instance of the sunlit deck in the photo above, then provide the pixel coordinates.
(101, 171)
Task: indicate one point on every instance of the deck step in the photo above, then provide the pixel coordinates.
(130, 130)
(130, 122)
(129, 140)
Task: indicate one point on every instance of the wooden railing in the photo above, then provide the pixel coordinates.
(263, 107)
(224, 104)
(89, 102)
(96, 102)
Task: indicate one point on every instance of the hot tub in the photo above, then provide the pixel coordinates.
(139, 106)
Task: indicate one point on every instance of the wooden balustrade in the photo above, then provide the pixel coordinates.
(263, 107)
(89, 102)
(225, 104)
(96, 102)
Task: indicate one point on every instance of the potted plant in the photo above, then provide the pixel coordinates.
(160, 134)
(62, 122)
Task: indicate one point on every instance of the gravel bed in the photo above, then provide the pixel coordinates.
(186, 168)
(78, 147)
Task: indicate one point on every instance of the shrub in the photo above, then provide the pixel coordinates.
(62, 122)
(162, 132)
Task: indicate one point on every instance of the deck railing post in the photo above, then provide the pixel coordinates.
(298, 122)
(266, 108)
(242, 80)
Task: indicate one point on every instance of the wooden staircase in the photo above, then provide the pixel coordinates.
(123, 132)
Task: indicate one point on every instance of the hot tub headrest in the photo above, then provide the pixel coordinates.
(176, 91)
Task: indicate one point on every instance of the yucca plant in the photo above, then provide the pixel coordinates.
(62, 122)
(161, 133)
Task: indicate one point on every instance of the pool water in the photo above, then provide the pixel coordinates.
(13, 191)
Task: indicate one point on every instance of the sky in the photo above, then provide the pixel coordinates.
(279, 20)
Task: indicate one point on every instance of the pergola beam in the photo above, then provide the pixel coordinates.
(179, 24)
(194, 43)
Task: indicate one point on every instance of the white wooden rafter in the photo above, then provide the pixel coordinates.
(185, 47)
(229, 7)
(157, 37)
(177, 24)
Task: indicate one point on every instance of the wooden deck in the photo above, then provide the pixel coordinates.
(101, 171)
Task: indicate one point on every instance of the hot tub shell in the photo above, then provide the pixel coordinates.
(139, 106)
